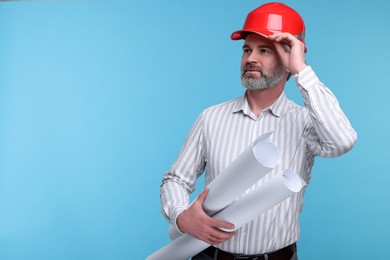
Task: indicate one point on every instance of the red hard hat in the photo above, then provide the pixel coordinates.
(272, 18)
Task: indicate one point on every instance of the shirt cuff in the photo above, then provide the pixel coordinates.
(306, 79)
(175, 215)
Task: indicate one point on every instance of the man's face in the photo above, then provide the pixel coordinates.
(260, 64)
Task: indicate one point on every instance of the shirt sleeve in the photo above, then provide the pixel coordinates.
(329, 133)
(179, 182)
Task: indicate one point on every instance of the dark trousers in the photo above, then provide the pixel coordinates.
(204, 256)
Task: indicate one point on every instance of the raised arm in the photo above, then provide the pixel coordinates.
(329, 132)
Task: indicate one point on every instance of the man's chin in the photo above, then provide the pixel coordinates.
(254, 87)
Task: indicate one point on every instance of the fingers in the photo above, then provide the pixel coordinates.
(211, 221)
(217, 236)
(282, 42)
(293, 57)
(285, 38)
(198, 224)
(288, 42)
(208, 230)
(283, 52)
(221, 224)
(214, 236)
(220, 231)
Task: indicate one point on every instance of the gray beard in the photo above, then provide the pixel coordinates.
(268, 79)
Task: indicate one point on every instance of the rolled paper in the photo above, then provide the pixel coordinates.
(181, 248)
(240, 212)
(268, 195)
(249, 167)
(173, 232)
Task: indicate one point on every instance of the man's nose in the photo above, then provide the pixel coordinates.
(252, 57)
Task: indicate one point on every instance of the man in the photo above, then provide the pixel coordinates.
(274, 49)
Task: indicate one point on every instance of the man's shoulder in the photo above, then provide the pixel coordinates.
(292, 105)
(292, 109)
(224, 107)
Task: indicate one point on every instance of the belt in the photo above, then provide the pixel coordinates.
(282, 254)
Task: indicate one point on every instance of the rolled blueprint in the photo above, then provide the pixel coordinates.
(249, 167)
(268, 195)
(240, 212)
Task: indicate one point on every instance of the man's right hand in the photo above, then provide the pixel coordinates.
(197, 223)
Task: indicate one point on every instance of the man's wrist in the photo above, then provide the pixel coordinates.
(300, 69)
(178, 221)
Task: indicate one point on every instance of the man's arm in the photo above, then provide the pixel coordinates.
(330, 133)
(179, 182)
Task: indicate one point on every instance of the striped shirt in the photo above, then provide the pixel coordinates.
(223, 131)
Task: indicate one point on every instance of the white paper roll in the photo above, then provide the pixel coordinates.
(181, 248)
(268, 195)
(250, 166)
(173, 232)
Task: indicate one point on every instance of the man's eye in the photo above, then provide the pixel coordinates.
(247, 50)
(265, 51)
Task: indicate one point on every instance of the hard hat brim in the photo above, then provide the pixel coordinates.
(241, 34)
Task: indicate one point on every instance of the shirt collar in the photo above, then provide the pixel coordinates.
(277, 108)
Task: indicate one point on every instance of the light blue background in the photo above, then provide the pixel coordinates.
(96, 98)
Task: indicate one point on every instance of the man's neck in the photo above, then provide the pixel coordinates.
(261, 99)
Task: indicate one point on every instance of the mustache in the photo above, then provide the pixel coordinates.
(250, 66)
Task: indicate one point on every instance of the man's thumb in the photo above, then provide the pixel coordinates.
(203, 196)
